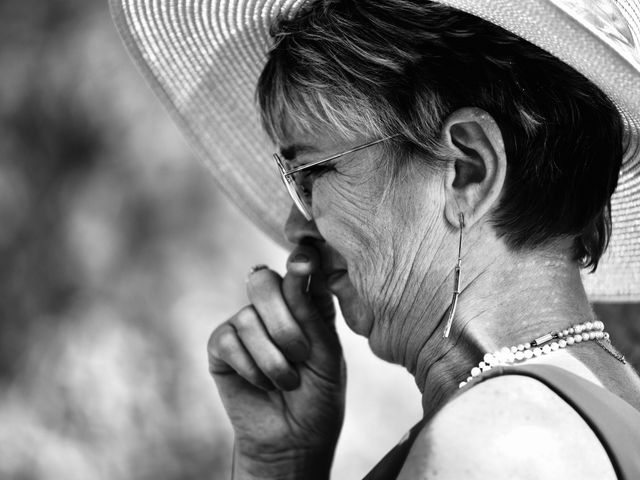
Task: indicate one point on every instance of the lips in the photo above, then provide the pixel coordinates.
(332, 264)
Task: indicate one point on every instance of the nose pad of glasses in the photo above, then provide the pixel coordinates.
(303, 202)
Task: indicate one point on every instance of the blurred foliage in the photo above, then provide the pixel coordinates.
(116, 266)
(105, 224)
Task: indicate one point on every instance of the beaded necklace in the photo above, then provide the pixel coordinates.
(578, 333)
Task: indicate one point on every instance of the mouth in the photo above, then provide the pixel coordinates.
(333, 267)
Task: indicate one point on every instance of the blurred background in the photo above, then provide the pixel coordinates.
(117, 259)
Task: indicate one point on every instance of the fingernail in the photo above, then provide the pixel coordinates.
(268, 386)
(256, 268)
(300, 258)
(289, 381)
(298, 351)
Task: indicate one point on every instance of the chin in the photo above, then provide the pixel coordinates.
(360, 319)
(379, 345)
(356, 316)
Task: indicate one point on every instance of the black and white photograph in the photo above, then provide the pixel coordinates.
(319, 239)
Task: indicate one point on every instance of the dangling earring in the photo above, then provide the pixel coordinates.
(456, 283)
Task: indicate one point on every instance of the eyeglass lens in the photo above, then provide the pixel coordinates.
(296, 191)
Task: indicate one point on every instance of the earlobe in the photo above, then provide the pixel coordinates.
(477, 170)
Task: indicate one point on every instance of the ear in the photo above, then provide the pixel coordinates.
(475, 177)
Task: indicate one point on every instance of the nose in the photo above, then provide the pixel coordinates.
(298, 229)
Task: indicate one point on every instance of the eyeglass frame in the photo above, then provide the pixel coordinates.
(292, 186)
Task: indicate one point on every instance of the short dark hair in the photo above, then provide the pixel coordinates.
(401, 66)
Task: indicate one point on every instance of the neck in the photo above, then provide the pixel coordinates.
(506, 298)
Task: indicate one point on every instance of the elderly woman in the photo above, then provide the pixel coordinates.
(449, 181)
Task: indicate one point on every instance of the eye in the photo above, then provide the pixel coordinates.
(314, 173)
(306, 178)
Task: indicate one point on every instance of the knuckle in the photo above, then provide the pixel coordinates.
(245, 319)
(225, 344)
(256, 377)
(212, 343)
(282, 333)
(277, 368)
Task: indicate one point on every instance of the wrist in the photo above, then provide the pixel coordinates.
(289, 465)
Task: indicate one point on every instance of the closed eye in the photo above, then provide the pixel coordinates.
(307, 177)
(316, 172)
(321, 169)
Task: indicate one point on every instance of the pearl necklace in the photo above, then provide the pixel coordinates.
(581, 332)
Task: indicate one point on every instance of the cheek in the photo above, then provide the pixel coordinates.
(349, 238)
(344, 215)
(359, 227)
(380, 232)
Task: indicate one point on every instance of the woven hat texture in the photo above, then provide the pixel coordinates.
(203, 59)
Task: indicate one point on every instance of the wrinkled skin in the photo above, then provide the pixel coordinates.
(385, 246)
(279, 369)
(278, 363)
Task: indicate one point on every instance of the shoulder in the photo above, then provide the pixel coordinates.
(507, 427)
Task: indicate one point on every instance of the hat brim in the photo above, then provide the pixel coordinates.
(203, 58)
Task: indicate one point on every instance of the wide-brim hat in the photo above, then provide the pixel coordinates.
(203, 58)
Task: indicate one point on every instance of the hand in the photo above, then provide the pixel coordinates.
(279, 370)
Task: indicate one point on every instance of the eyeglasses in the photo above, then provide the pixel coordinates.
(299, 192)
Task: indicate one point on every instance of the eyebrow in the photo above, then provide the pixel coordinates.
(290, 152)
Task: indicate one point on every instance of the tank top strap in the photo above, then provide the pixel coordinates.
(613, 420)
(389, 467)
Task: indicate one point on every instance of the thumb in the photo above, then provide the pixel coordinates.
(303, 287)
(311, 304)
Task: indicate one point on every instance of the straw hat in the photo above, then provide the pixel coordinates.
(203, 59)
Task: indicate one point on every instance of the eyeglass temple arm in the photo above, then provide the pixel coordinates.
(313, 164)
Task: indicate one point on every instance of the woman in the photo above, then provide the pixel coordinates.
(449, 180)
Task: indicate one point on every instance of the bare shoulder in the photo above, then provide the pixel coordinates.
(508, 427)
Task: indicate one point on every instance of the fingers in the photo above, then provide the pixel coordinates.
(228, 355)
(284, 325)
(264, 290)
(312, 306)
(303, 287)
(242, 346)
